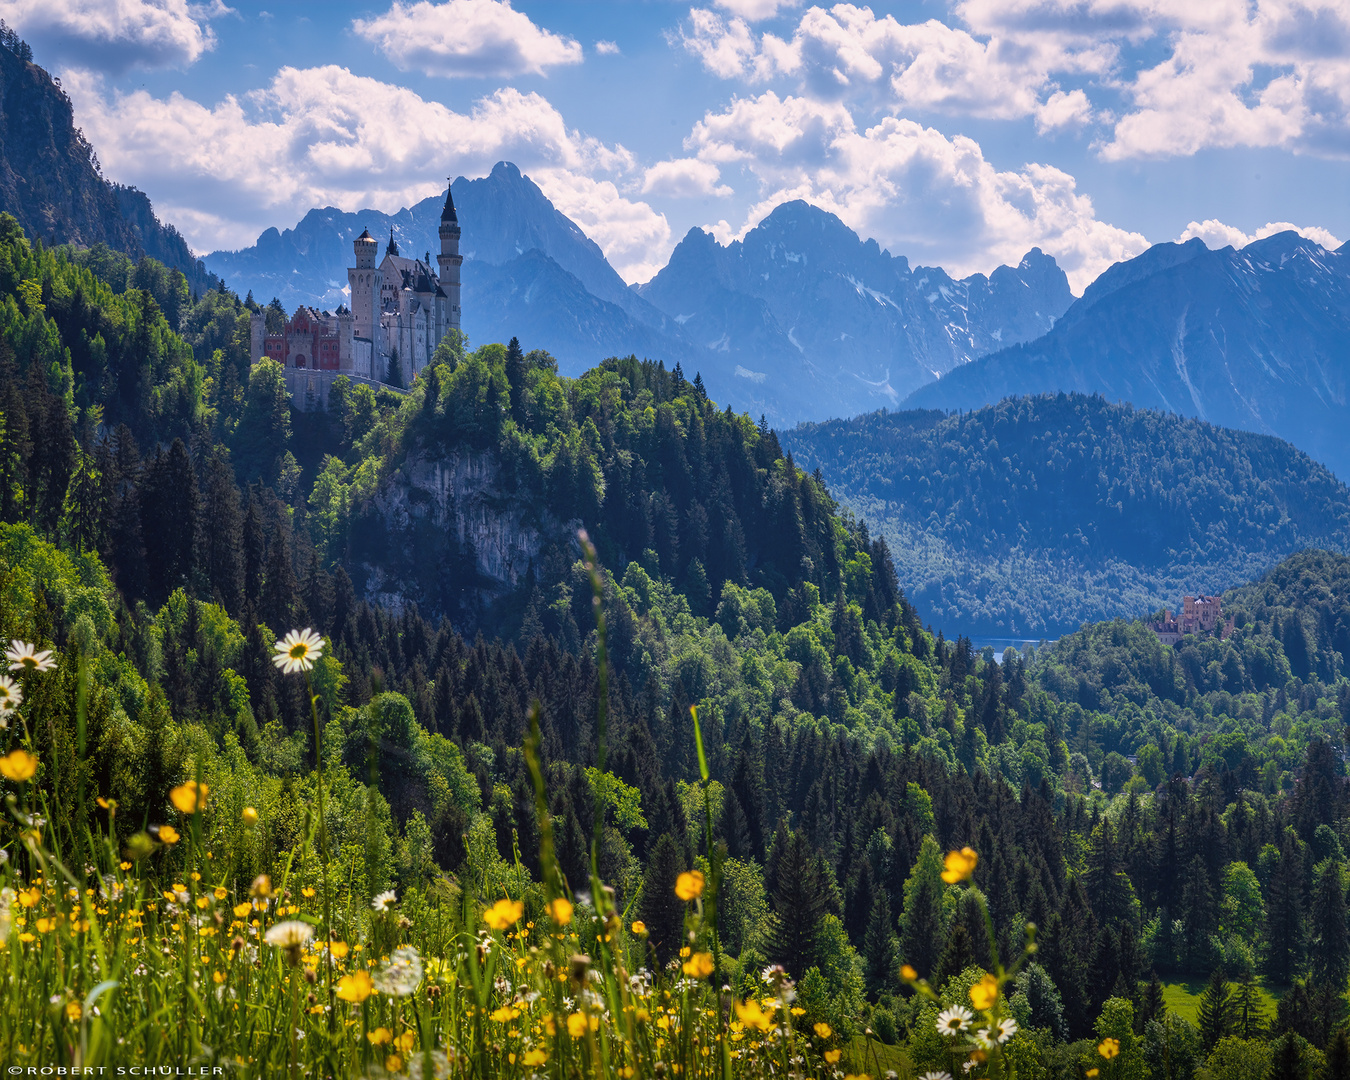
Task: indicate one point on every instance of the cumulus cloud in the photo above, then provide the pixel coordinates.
(933, 198)
(848, 52)
(115, 35)
(607, 48)
(320, 137)
(1063, 110)
(1216, 234)
(461, 38)
(755, 10)
(684, 178)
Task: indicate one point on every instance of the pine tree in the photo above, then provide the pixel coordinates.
(515, 377)
(1215, 1017)
(879, 948)
(798, 901)
(222, 536)
(660, 908)
(1249, 1018)
(921, 921)
(393, 372)
(1329, 957)
(1285, 920)
(1199, 914)
(1338, 1057)
(1152, 1007)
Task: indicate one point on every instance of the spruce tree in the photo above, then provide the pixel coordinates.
(1329, 957)
(1249, 1017)
(1215, 1015)
(921, 932)
(1152, 1007)
(1285, 919)
(515, 377)
(798, 900)
(879, 948)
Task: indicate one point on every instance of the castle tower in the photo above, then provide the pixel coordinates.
(450, 260)
(365, 281)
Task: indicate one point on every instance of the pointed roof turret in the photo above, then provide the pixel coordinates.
(365, 235)
(448, 214)
(392, 249)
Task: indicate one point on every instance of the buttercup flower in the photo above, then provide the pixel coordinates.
(384, 901)
(1108, 1048)
(249, 817)
(823, 1030)
(18, 766)
(298, 650)
(11, 697)
(23, 656)
(699, 966)
(751, 1015)
(504, 913)
(355, 987)
(639, 927)
(908, 973)
(689, 885)
(189, 798)
(959, 865)
(984, 993)
(168, 834)
(953, 1021)
(560, 910)
(401, 973)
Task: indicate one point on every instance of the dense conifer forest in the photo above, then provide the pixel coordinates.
(1034, 515)
(1168, 825)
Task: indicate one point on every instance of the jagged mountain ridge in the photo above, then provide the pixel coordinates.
(1251, 338)
(532, 273)
(817, 322)
(51, 183)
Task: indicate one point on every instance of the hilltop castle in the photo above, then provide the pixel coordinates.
(400, 310)
(1198, 615)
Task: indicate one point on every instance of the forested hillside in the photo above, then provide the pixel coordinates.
(402, 878)
(1035, 515)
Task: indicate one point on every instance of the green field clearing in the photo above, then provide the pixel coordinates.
(1183, 998)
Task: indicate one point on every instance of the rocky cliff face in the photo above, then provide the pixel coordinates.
(443, 533)
(50, 181)
(1252, 339)
(805, 320)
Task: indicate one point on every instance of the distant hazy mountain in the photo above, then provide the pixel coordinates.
(1253, 339)
(50, 181)
(816, 322)
(1037, 514)
(529, 271)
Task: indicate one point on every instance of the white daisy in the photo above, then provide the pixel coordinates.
(384, 901)
(298, 650)
(936, 1074)
(11, 697)
(953, 1021)
(23, 656)
(1005, 1029)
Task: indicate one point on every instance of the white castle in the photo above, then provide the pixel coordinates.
(400, 310)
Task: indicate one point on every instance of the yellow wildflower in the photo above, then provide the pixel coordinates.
(168, 834)
(339, 949)
(576, 1025)
(823, 1030)
(908, 973)
(18, 766)
(832, 1056)
(380, 1036)
(505, 1014)
(249, 816)
(639, 928)
(752, 1016)
(188, 798)
(984, 993)
(534, 1057)
(560, 910)
(689, 885)
(355, 987)
(1108, 1048)
(504, 913)
(959, 865)
(699, 966)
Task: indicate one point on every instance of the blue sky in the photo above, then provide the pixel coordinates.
(959, 132)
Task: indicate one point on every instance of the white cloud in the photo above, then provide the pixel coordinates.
(1216, 234)
(466, 38)
(933, 198)
(848, 52)
(114, 35)
(607, 48)
(320, 137)
(684, 178)
(1061, 110)
(754, 10)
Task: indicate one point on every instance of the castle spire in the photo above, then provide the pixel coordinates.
(392, 249)
(448, 214)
